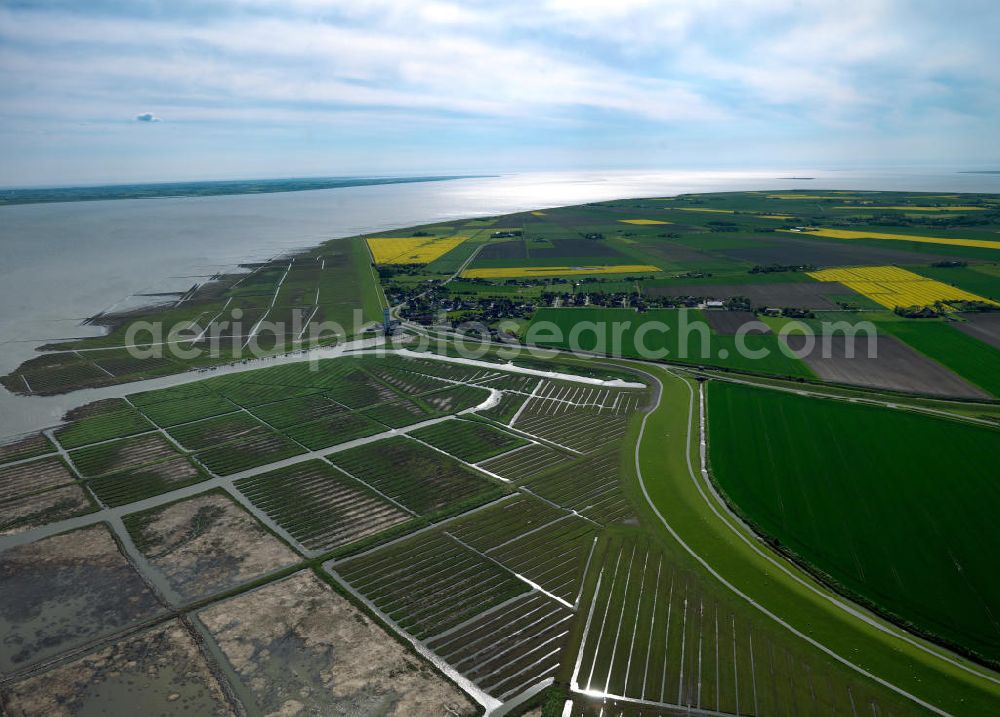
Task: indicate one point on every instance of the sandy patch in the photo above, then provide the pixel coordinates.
(207, 544)
(159, 672)
(302, 649)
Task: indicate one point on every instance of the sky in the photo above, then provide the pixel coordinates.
(148, 90)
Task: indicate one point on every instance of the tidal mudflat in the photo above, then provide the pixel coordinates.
(207, 544)
(159, 672)
(64, 591)
(300, 648)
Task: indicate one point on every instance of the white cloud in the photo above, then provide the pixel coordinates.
(611, 73)
(297, 61)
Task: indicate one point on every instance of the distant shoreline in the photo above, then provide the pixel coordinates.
(163, 190)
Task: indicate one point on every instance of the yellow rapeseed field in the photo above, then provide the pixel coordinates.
(538, 214)
(513, 272)
(891, 286)
(411, 250)
(643, 221)
(852, 234)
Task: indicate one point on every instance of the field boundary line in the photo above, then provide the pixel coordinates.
(516, 574)
(586, 631)
(524, 696)
(465, 463)
(441, 525)
(488, 611)
(570, 511)
(502, 666)
(55, 454)
(530, 532)
(860, 400)
(373, 488)
(585, 572)
(472, 257)
(543, 658)
(480, 696)
(513, 450)
(540, 440)
(604, 618)
(635, 627)
(621, 617)
(308, 321)
(383, 303)
(652, 627)
(520, 408)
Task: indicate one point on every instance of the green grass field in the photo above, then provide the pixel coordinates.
(450, 262)
(417, 477)
(893, 506)
(184, 410)
(468, 441)
(970, 358)
(102, 427)
(976, 279)
(659, 331)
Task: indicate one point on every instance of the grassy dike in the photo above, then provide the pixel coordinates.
(372, 294)
(667, 460)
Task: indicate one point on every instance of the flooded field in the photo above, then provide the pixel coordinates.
(158, 672)
(206, 544)
(61, 592)
(300, 648)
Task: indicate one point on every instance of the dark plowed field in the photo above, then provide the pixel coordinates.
(513, 249)
(804, 295)
(793, 250)
(897, 366)
(573, 248)
(729, 322)
(985, 327)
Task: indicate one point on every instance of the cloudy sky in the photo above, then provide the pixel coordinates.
(132, 90)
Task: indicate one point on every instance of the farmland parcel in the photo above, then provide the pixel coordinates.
(862, 501)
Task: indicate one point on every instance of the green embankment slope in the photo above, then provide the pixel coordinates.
(925, 675)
